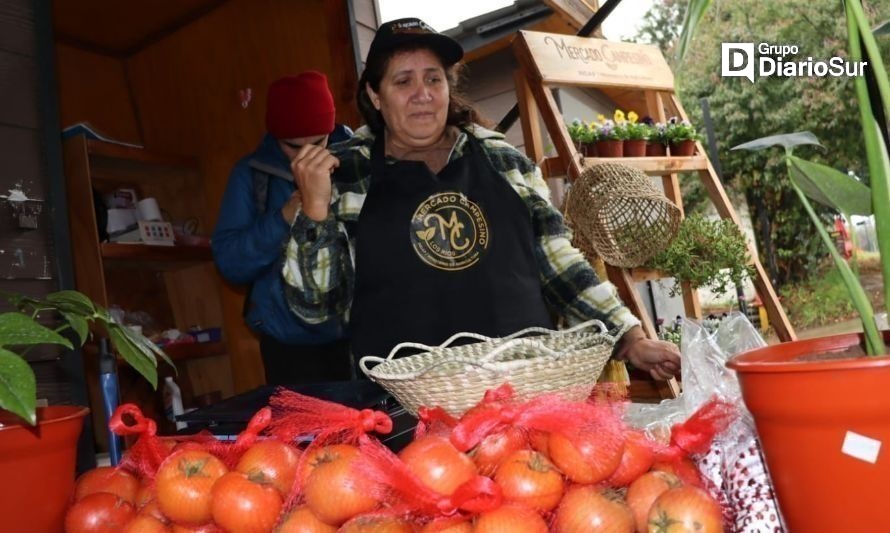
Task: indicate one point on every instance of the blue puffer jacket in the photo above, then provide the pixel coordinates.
(248, 244)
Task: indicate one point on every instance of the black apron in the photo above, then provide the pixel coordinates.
(439, 254)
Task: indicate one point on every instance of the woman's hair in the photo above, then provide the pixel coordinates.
(460, 111)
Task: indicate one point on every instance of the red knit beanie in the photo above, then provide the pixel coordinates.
(300, 106)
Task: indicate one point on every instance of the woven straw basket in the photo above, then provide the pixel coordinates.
(455, 378)
(618, 212)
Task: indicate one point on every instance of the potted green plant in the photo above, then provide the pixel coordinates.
(681, 136)
(610, 135)
(705, 252)
(38, 445)
(656, 140)
(821, 405)
(635, 134)
(576, 130)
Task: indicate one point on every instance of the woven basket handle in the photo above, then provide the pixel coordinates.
(508, 342)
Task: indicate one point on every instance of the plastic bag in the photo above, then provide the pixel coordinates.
(733, 467)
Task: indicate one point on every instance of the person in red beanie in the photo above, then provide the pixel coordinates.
(258, 207)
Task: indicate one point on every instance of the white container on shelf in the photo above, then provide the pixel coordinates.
(173, 402)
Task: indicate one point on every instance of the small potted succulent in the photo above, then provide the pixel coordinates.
(681, 136)
(635, 135)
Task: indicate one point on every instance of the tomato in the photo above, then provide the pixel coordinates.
(540, 441)
(685, 469)
(635, 461)
(184, 483)
(455, 524)
(643, 492)
(684, 509)
(98, 512)
(325, 454)
(275, 461)
(494, 448)
(107, 479)
(147, 503)
(302, 520)
(240, 504)
(585, 508)
(376, 524)
(438, 464)
(146, 524)
(335, 493)
(510, 517)
(594, 460)
(527, 477)
(203, 528)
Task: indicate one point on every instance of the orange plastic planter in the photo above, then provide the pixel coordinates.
(825, 430)
(37, 468)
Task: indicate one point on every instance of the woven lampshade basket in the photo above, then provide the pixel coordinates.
(620, 213)
(455, 378)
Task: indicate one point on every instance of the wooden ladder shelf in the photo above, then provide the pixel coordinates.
(634, 77)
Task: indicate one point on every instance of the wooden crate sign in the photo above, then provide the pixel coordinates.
(570, 60)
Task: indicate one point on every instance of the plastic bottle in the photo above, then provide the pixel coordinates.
(173, 402)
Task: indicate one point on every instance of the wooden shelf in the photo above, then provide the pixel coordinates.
(154, 257)
(176, 352)
(653, 166)
(194, 350)
(136, 155)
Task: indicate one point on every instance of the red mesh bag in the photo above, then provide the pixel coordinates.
(297, 418)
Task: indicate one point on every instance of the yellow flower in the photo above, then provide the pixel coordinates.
(601, 118)
(619, 115)
(632, 117)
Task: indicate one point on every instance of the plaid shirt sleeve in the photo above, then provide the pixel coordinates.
(319, 264)
(571, 286)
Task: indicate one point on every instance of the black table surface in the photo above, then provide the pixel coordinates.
(229, 417)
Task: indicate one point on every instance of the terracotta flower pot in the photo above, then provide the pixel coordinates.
(683, 148)
(821, 422)
(589, 149)
(37, 466)
(635, 148)
(656, 149)
(609, 148)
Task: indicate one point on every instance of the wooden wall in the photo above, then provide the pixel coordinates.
(93, 88)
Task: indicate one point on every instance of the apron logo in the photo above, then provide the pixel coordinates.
(449, 232)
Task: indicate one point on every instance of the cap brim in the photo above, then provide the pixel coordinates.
(449, 50)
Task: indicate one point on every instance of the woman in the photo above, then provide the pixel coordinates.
(448, 227)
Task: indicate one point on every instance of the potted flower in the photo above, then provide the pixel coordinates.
(635, 134)
(584, 137)
(576, 130)
(41, 459)
(821, 405)
(681, 136)
(610, 136)
(656, 140)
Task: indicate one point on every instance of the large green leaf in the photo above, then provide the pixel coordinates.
(787, 140)
(72, 302)
(135, 357)
(831, 187)
(78, 324)
(18, 388)
(881, 29)
(695, 10)
(145, 345)
(20, 329)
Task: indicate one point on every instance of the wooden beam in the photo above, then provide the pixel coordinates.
(528, 113)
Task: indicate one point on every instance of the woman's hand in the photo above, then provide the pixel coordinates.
(312, 168)
(660, 358)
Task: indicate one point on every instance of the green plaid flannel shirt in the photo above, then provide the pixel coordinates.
(319, 261)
